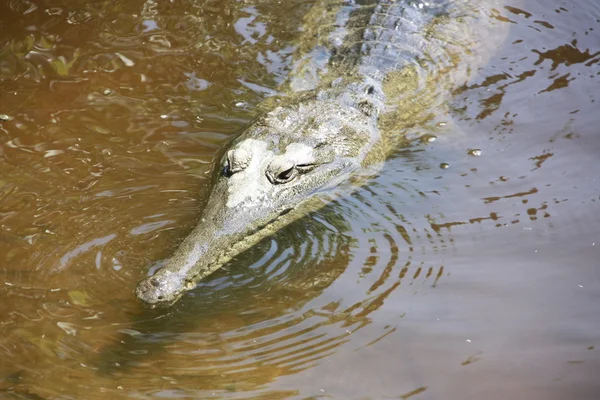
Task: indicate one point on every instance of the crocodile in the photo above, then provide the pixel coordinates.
(370, 71)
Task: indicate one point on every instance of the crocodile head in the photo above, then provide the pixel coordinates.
(285, 165)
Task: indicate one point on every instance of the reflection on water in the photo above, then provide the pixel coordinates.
(479, 280)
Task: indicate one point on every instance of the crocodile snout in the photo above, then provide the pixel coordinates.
(160, 290)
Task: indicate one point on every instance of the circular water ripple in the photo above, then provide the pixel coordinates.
(292, 300)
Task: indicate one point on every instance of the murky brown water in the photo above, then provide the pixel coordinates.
(477, 281)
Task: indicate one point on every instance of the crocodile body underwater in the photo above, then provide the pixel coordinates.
(390, 65)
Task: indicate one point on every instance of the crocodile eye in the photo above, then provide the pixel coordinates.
(283, 171)
(236, 160)
(286, 175)
(227, 169)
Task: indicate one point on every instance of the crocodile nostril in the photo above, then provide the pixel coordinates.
(154, 282)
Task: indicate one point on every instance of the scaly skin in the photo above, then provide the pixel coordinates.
(327, 136)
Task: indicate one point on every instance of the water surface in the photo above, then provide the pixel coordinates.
(479, 280)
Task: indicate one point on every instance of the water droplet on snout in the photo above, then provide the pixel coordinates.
(428, 138)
